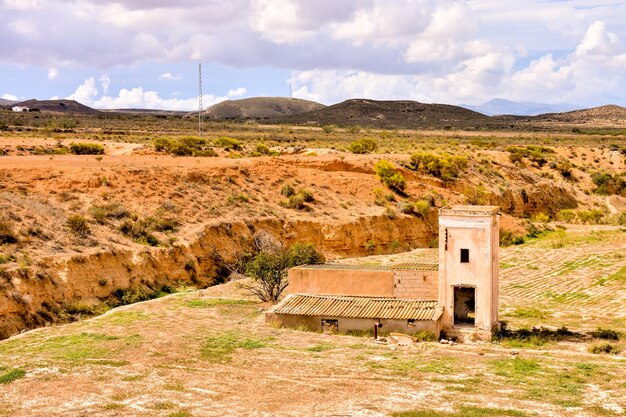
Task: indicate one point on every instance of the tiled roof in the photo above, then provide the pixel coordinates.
(413, 266)
(358, 307)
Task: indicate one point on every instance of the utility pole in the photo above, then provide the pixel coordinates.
(200, 99)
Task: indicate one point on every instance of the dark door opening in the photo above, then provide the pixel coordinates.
(464, 305)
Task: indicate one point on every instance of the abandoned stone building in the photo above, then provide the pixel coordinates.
(455, 292)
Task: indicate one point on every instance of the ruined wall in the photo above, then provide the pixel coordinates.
(341, 282)
(423, 285)
(314, 323)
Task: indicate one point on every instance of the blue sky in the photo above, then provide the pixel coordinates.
(145, 53)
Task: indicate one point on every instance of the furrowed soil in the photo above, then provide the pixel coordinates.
(209, 353)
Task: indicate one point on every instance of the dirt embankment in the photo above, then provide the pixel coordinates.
(55, 287)
(220, 204)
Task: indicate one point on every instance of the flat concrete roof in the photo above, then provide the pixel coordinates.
(465, 210)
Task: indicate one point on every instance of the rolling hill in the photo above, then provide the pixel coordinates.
(389, 114)
(259, 108)
(610, 115)
(5, 102)
(56, 106)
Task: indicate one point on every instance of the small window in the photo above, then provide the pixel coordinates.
(464, 256)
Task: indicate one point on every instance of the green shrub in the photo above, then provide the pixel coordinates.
(307, 195)
(7, 232)
(607, 184)
(541, 218)
(446, 167)
(208, 153)
(296, 200)
(607, 334)
(363, 146)
(227, 143)
(565, 168)
(567, 216)
(406, 207)
(86, 149)
(140, 231)
(108, 211)
(387, 174)
(184, 146)
(605, 347)
(536, 154)
(11, 375)
(593, 216)
(263, 149)
(621, 220)
(78, 226)
(328, 129)
(287, 190)
(180, 149)
(162, 144)
(421, 208)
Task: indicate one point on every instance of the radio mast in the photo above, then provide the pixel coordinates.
(200, 99)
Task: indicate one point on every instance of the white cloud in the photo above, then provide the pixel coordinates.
(238, 92)
(169, 76)
(20, 4)
(24, 27)
(278, 21)
(7, 96)
(141, 99)
(105, 82)
(443, 50)
(86, 92)
(53, 73)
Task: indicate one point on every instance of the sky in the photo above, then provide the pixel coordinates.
(145, 53)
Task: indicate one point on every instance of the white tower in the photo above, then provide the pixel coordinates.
(469, 242)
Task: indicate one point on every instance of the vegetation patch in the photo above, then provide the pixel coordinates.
(363, 146)
(446, 167)
(386, 172)
(605, 347)
(464, 411)
(8, 376)
(214, 302)
(82, 148)
(220, 348)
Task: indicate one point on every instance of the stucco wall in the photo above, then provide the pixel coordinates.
(479, 234)
(341, 282)
(314, 323)
(422, 285)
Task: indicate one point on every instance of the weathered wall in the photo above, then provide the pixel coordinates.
(341, 282)
(314, 323)
(422, 285)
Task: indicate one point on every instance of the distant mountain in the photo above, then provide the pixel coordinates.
(398, 114)
(55, 106)
(5, 102)
(500, 106)
(259, 108)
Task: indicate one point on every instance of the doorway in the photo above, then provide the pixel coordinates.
(464, 305)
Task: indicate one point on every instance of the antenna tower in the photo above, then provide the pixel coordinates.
(200, 99)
